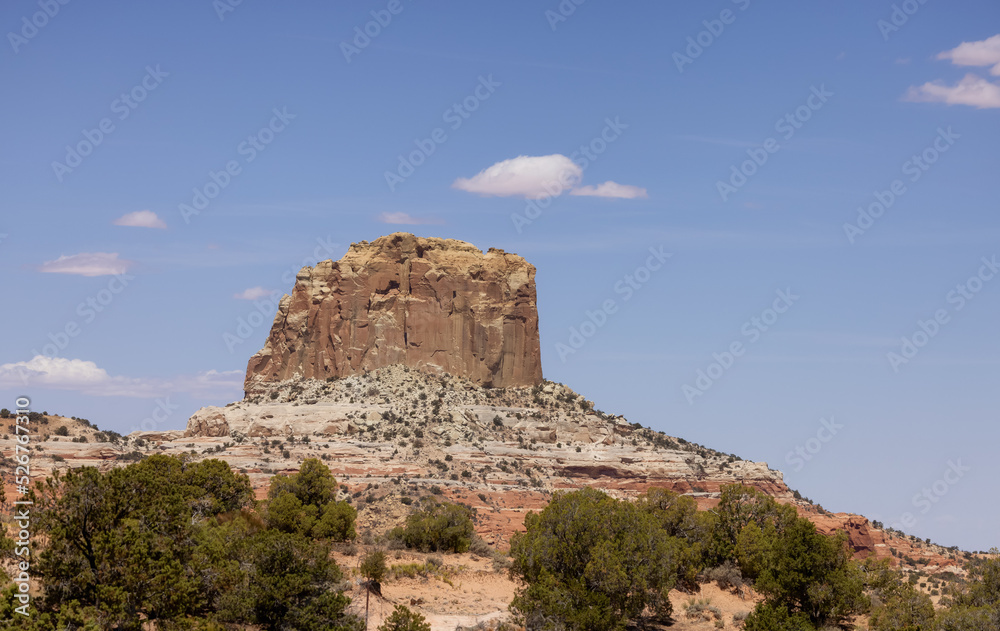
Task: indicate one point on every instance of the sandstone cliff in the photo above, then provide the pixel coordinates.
(438, 305)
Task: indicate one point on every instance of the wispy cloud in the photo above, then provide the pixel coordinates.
(611, 189)
(538, 177)
(86, 377)
(408, 220)
(141, 219)
(982, 53)
(972, 90)
(254, 293)
(87, 264)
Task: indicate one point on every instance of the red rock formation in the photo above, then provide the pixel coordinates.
(438, 305)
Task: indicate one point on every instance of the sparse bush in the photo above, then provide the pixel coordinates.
(479, 547)
(62, 430)
(726, 576)
(402, 619)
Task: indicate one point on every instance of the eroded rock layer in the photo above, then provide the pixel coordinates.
(437, 305)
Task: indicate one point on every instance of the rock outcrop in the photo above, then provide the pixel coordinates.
(437, 305)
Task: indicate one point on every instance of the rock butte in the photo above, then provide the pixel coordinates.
(411, 366)
(437, 305)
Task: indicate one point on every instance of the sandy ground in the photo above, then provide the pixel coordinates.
(467, 592)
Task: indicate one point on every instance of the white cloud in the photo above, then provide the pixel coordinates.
(971, 90)
(87, 264)
(533, 177)
(982, 53)
(85, 377)
(538, 177)
(408, 220)
(141, 219)
(611, 189)
(73, 374)
(254, 293)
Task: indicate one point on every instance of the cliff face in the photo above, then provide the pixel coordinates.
(437, 305)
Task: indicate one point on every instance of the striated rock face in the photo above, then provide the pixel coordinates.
(437, 305)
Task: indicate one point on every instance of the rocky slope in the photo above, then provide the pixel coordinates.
(438, 305)
(395, 434)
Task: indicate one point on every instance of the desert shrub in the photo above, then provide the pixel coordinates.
(726, 576)
(62, 430)
(402, 619)
(479, 547)
(767, 617)
(702, 609)
(438, 526)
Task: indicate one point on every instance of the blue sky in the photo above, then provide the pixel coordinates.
(291, 122)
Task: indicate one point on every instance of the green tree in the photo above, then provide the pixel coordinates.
(402, 619)
(679, 517)
(591, 562)
(438, 526)
(373, 566)
(120, 542)
(305, 503)
(283, 581)
(739, 506)
(804, 571)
